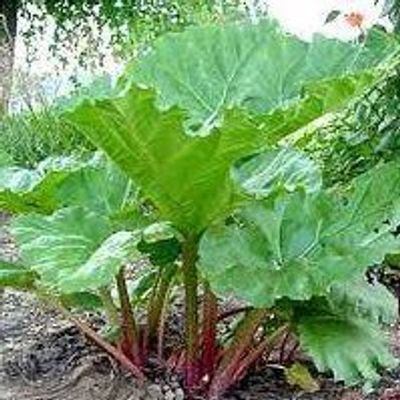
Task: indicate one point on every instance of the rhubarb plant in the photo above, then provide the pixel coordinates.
(196, 178)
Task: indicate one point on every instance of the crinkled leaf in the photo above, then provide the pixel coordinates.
(103, 264)
(353, 349)
(299, 245)
(100, 186)
(27, 190)
(278, 168)
(362, 299)
(73, 249)
(188, 178)
(16, 276)
(256, 66)
(66, 181)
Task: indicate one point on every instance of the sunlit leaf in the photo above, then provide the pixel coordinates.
(74, 249)
(206, 71)
(297, 246)
(278, 168)
(352, 349)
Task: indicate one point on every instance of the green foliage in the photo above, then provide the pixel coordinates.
(258, 67)
(65, 181)
(392, 10)
(57, 245)
(80, 247)
(370, 301)
(298, 375)
(142, 286)
(16, 276)
(366, 132)
(31, 137)
(297, 246)
(351, 348)
(341, 331)
(162, 252)
(284, 167)
(349, 314)
(200, 144)
(316, 247)
(27, 190)
(5, 159)
(360, 137)
(188, 178)
(114, 192)
(81, 301)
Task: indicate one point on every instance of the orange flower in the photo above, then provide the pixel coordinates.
(354, 19)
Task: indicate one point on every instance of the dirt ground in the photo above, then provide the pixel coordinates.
(43, 357)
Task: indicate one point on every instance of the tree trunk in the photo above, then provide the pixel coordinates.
(8, 33)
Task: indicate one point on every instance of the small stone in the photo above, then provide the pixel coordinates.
(351, 395)
(136, 394)
(179, 394)
(169, 395)
(174, 384)
(154, 392)
(166, 388)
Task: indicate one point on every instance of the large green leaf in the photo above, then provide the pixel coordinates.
(99, 186)
(278, 168)
(299, 245)
(66, 181)
(188, 177)
(81, 246)
(16, 276)
(256, 66)
(353, 349)
(103, 264)
(74, 249)
(26, 190)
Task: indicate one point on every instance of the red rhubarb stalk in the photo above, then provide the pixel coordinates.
(210, 319)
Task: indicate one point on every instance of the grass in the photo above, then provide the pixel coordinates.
(30, 137)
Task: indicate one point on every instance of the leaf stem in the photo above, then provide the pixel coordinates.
(245, 357)
(240, 344)
(161, 327)
(110, 349)
(92, 335)
(110, 308)
(233, 312)
(158, 300)
(265, 345)
(190, 281)
(210, 319)
(283, 348)
(130, 337)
